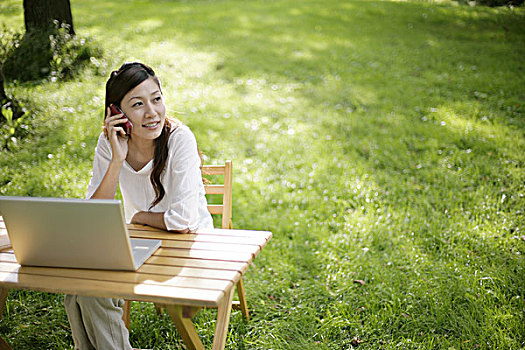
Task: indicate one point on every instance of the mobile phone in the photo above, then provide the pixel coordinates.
(127, 126)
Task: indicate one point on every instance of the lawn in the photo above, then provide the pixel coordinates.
(381, 142)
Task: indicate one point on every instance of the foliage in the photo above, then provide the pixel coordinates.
(12, 121)
(386, 156)
(13, 127)
(12, 107)
(54, 53)
(9, 39)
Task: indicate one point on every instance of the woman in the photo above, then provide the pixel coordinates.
(157, 168)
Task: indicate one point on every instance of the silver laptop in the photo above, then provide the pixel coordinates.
(76, 233)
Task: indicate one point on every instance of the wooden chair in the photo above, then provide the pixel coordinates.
(224, 209)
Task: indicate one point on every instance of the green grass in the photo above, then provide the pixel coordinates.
(379, 141)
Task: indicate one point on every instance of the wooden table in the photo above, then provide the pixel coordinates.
(188, 272)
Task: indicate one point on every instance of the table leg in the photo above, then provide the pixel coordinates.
(185, 327)
(242, 300)
(223, 320)
(4, 345)
(158, 308)
(3, 298)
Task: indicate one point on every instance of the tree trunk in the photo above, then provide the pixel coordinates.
(39, 14)
(3, 96)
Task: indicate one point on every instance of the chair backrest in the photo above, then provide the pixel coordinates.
(225, 189)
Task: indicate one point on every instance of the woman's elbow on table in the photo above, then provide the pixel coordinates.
(186, 230)
(177, 223)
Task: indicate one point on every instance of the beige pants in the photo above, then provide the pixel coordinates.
(96, 323)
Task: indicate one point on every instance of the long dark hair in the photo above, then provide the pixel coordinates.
(119, 84)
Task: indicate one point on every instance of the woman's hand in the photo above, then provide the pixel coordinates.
(116, 135)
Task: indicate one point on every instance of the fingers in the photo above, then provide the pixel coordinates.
(110, 118)
(116, 129)
(109, 112)
(111, 124)
(114, 118)
(112, 129)
(120, 131)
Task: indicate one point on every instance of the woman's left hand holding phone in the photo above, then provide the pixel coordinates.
(116, 135)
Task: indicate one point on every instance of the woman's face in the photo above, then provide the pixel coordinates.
(144, 106)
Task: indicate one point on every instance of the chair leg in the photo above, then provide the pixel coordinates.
(242, 300)
(126, 312)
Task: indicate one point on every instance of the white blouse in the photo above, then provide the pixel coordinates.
(184, 204)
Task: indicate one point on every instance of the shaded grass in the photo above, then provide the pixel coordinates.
(378, 141)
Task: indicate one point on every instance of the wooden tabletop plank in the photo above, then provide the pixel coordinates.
(228, 275)
(205, 254)
(7, 257)
(120, 276)
(239, 233)
(192, 237)
(144, 292)
(202, 264)
(5, 243)
(216, 231)
(220, 247)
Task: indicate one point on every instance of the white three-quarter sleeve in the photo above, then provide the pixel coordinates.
(185, 182)
(100, 165)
